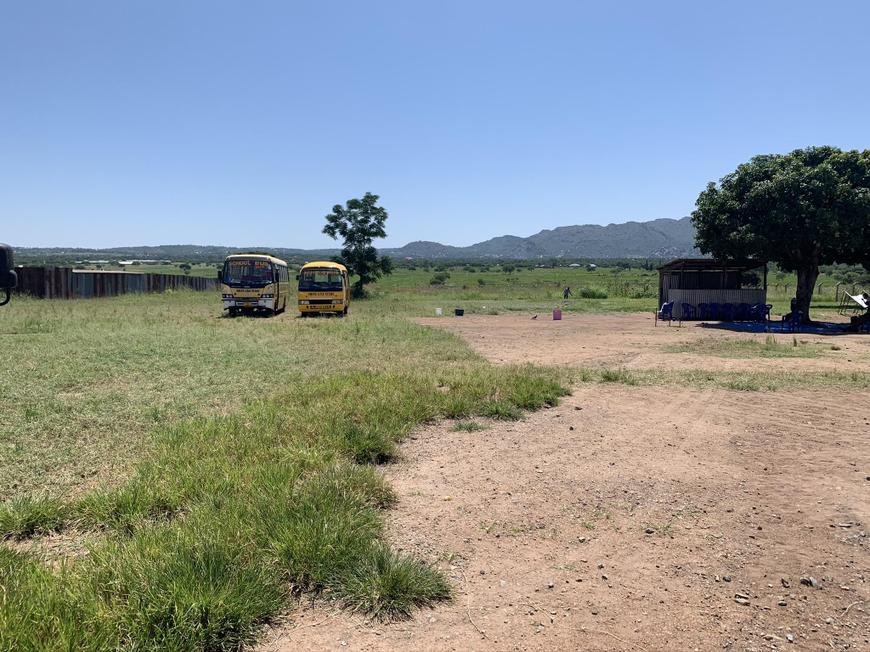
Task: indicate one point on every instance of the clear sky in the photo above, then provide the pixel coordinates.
(173, 122)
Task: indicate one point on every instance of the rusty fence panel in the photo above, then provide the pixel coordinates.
(67, 283)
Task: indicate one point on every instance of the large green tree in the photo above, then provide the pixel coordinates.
(801, 210)
(358, 223)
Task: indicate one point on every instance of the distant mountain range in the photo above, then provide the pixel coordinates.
(662, 238)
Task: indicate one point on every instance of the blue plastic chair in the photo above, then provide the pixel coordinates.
(744, 312)
(665, 312)
(687, 311)
(760, 312)
(728, 312)
(714, 312)
(792, 321)
(703, 310)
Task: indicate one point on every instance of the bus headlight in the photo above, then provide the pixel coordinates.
(337, 301)
(304, 303)
(227, 296)
(267, 296)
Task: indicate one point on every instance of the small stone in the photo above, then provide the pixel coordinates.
(789, 638)
(743, 601)
(600, 566)
(570, 427)
(726, 578)
(649, 530)
(785, 583)
(550, 585)
(810, 581)
(828, 621)
(604, 577)
(782, 603)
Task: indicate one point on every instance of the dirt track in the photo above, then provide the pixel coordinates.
(631, 518)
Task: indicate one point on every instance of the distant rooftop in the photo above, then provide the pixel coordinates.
(711, 264)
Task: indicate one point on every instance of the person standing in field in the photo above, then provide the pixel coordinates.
(566, 293)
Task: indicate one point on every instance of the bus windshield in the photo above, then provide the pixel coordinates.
(251, 273)
(320, 280)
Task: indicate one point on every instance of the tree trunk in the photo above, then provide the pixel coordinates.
(806, 283)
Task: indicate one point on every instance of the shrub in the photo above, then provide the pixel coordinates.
(592, 293)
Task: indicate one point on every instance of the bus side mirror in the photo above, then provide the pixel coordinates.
(8, 278)
(220, 276)
(297, 277)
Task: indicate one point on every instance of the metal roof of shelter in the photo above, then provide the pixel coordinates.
(710, 264)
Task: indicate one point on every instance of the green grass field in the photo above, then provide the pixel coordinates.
(202, 473)
(486, 290)
(215, 468)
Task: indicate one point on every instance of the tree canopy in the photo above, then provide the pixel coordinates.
(804, 209)
(358, 223)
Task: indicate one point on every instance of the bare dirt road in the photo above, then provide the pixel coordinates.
(631, 518)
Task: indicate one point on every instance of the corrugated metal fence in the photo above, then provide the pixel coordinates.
(67, 283)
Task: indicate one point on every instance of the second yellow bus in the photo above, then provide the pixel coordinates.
(323, 289)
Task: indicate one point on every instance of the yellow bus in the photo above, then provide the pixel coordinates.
(323, 289)
(254, 283)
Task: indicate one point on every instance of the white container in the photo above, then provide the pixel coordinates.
(438, 312)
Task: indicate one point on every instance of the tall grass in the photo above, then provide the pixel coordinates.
(230, 516)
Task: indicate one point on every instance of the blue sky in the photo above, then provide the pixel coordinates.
(241, 123)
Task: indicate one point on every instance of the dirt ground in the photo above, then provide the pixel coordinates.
(631, 341)
(631, 518)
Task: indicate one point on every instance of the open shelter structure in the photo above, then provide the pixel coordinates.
(704, 288)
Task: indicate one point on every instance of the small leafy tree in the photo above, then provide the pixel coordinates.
(359, 222)
(801, 210)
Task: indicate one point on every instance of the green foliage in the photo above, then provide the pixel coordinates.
(359, 222)
(592, 293)
(439, 279)
(802, 210)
